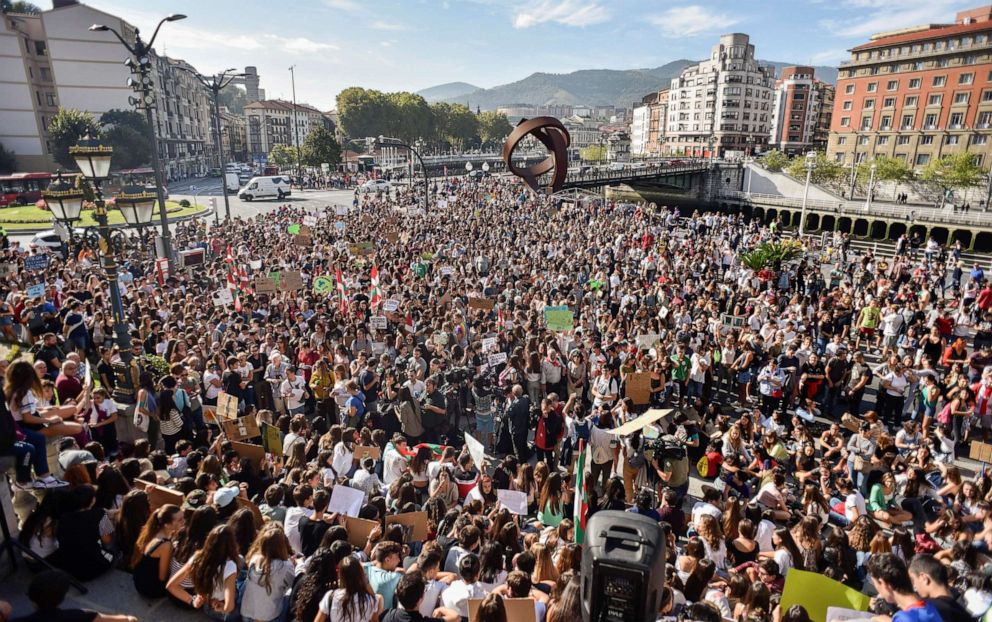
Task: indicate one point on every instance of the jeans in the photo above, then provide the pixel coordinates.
(24, 454)
(39, 455)
(600, 472)
(694, 389)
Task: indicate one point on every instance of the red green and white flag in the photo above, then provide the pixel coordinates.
(375, 298)
(581, 503)
(342, 292)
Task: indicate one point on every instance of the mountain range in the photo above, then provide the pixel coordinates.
(590, 87)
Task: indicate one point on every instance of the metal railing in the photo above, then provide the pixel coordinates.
(856, 209)
(633, 174)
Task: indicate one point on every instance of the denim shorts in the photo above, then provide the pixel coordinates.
(483, 424)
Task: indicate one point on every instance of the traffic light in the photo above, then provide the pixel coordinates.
(140, 81)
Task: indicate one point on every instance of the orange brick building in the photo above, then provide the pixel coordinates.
(917, 94)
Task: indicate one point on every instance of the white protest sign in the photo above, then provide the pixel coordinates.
(446, 270)
(489, 344)
(513, 500)
(340, 210)
(496, 359)
(476, 450)
(222, 297)
(255, 265)
(310, 221)
(391, 305)
(442, 204)
(379, 322)
(346, 500)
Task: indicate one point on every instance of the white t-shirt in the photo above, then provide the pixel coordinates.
(764, 535)
(230, 568)
(458, 594)
(784, 560)
(362, 610)
(432, 595)
(212, 391)
(291, 524)
(29, 406)
(855, 500)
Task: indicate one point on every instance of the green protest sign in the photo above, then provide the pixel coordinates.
(558, 318)
(293, 229)
(323, 285)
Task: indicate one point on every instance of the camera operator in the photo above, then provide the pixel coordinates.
(435, 411)
(518, 419)
(483, 397)
(673, 466)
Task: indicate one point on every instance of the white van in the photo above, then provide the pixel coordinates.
(232, 181)
(266, 187)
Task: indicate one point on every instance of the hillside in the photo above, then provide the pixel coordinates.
(446, 91)
(593, 87)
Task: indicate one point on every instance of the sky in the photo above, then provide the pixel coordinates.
(395, 45)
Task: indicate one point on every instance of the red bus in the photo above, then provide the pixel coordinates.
(24, 188)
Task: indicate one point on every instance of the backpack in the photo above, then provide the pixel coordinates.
(582, 431)
(703, 467)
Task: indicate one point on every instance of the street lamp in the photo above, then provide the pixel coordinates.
(468, 167)
(485, 167)
(871, 187)
(65, 203)
(399, 143)
(810, 165)
(139, 63)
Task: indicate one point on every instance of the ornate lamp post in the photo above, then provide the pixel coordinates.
(810, 165)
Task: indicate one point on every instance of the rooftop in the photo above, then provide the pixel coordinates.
(279, 104)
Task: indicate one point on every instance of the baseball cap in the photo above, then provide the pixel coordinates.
(224, 496)
(195, 499)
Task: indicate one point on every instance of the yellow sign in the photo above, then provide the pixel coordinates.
(816, 592)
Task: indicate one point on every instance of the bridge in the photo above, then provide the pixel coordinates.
(679, 176)
(882, 221)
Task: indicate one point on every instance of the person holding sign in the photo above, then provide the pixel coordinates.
(294, 392)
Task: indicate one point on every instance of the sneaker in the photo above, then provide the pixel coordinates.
(23, 486)
(50, 482)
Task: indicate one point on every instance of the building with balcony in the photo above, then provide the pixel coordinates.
(798, 120)
(270, 122)
(721, 105)
(917, 94)
(647, 124)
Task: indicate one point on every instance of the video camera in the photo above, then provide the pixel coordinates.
(665, 447)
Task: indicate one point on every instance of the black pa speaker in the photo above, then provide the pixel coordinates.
(623, 568)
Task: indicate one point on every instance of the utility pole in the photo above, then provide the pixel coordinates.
(296, 126)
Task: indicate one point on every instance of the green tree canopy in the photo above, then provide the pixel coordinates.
(774, 160)
(886, 169)
(27, 8)
(283, 156)
(593, 153)
(955, 170)
(494, 127)
(824, 169)
(409, 116)
(454, 124)
(128, 133)
(66, 128)
(320, 147)
(234, 98)
(363, 112)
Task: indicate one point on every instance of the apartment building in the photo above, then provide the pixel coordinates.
(722, 104)
(647, 124)
(917, 94)
(797, 116)
(270, 122)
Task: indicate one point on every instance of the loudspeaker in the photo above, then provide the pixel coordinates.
(623, 568)
(194, 257)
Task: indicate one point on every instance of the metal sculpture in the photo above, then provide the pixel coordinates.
(550, 132)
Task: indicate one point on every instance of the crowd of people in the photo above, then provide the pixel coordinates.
(821, 408)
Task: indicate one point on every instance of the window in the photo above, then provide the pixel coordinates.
(886, 122)
(986, 96)
(864, 140)
(907, 122)
(849, 89)
(984, 119)
(934, 100)
(50, 98)
(866, 123)
(911, 101)
(926, 140)
(892, 85)
(40, 48)
(941, 62)
(849, 105)
(957, 118)
(845, 121)
(939, 80)
(922, 158)
(966, 78)
(951, 140)
(873, 86)
(980, 140)
(46, 74)
(869, 104)
(915, 82)
(960, 98)
(902, 140)
(883, 140)
(930, 121)
(842, 140)
(889, 102)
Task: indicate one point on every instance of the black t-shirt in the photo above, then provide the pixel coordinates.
(60, 615)
(311, 533)
(950, 610)
(402, 615)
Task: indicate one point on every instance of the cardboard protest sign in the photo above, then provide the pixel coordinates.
(361, 248)
(646, 342)
(559, 318)
(359, 530)
(379, 322)
(391, 236)
(346, 500)
(733, 321)
(222, 297)
(265, 285)
(323, 285)
(255, 264)
(271, 439)
(391, 305)
(517, 609)
(36, 291)
(513, 500)
(304, 239)
(293, 229)
(255, 512)
(8, 269)
(638, 387)
(340, 210)
(361, 452)
(475, 449)
(36, 262)
(227, 406)
(486, 304)
(292, 281)
(489, 344)
(160, 495)
(816, 593)
(416, 521)
(252, 453)
(495, 359)
(240, 429)
(641, 422)
(980, 452)
(446, 270)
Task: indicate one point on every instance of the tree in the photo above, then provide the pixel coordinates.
(886, 169)
(233, 98)
(824, 169)
(454, 124)
(774, 160)
(66, 128)
(283, 155)
(127, 132)
(320, 147)
(593, 153)
(363, 112)
(494, 127)
(956, 170)
(26, 8)
(408, 116)
(8, 162)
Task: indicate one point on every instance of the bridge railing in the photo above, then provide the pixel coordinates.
(634, 173)
(856, 209)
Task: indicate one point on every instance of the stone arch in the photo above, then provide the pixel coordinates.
(877, 230)
(828, 223)
(771, 215)
(940, 234)
(860, 228)
(812, 222)
(844, 224)
(983, 241)
(964, 235)
(896, 229)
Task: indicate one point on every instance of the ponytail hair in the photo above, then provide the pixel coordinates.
(157, 521)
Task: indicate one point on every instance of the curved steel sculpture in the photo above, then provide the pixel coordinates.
(553, 135)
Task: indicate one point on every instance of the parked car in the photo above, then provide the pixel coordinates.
(376, 185)
(214, 172)
(47, 240)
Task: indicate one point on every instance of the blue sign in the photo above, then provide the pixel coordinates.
(339, 225)
(36, 291)
(36, 262)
